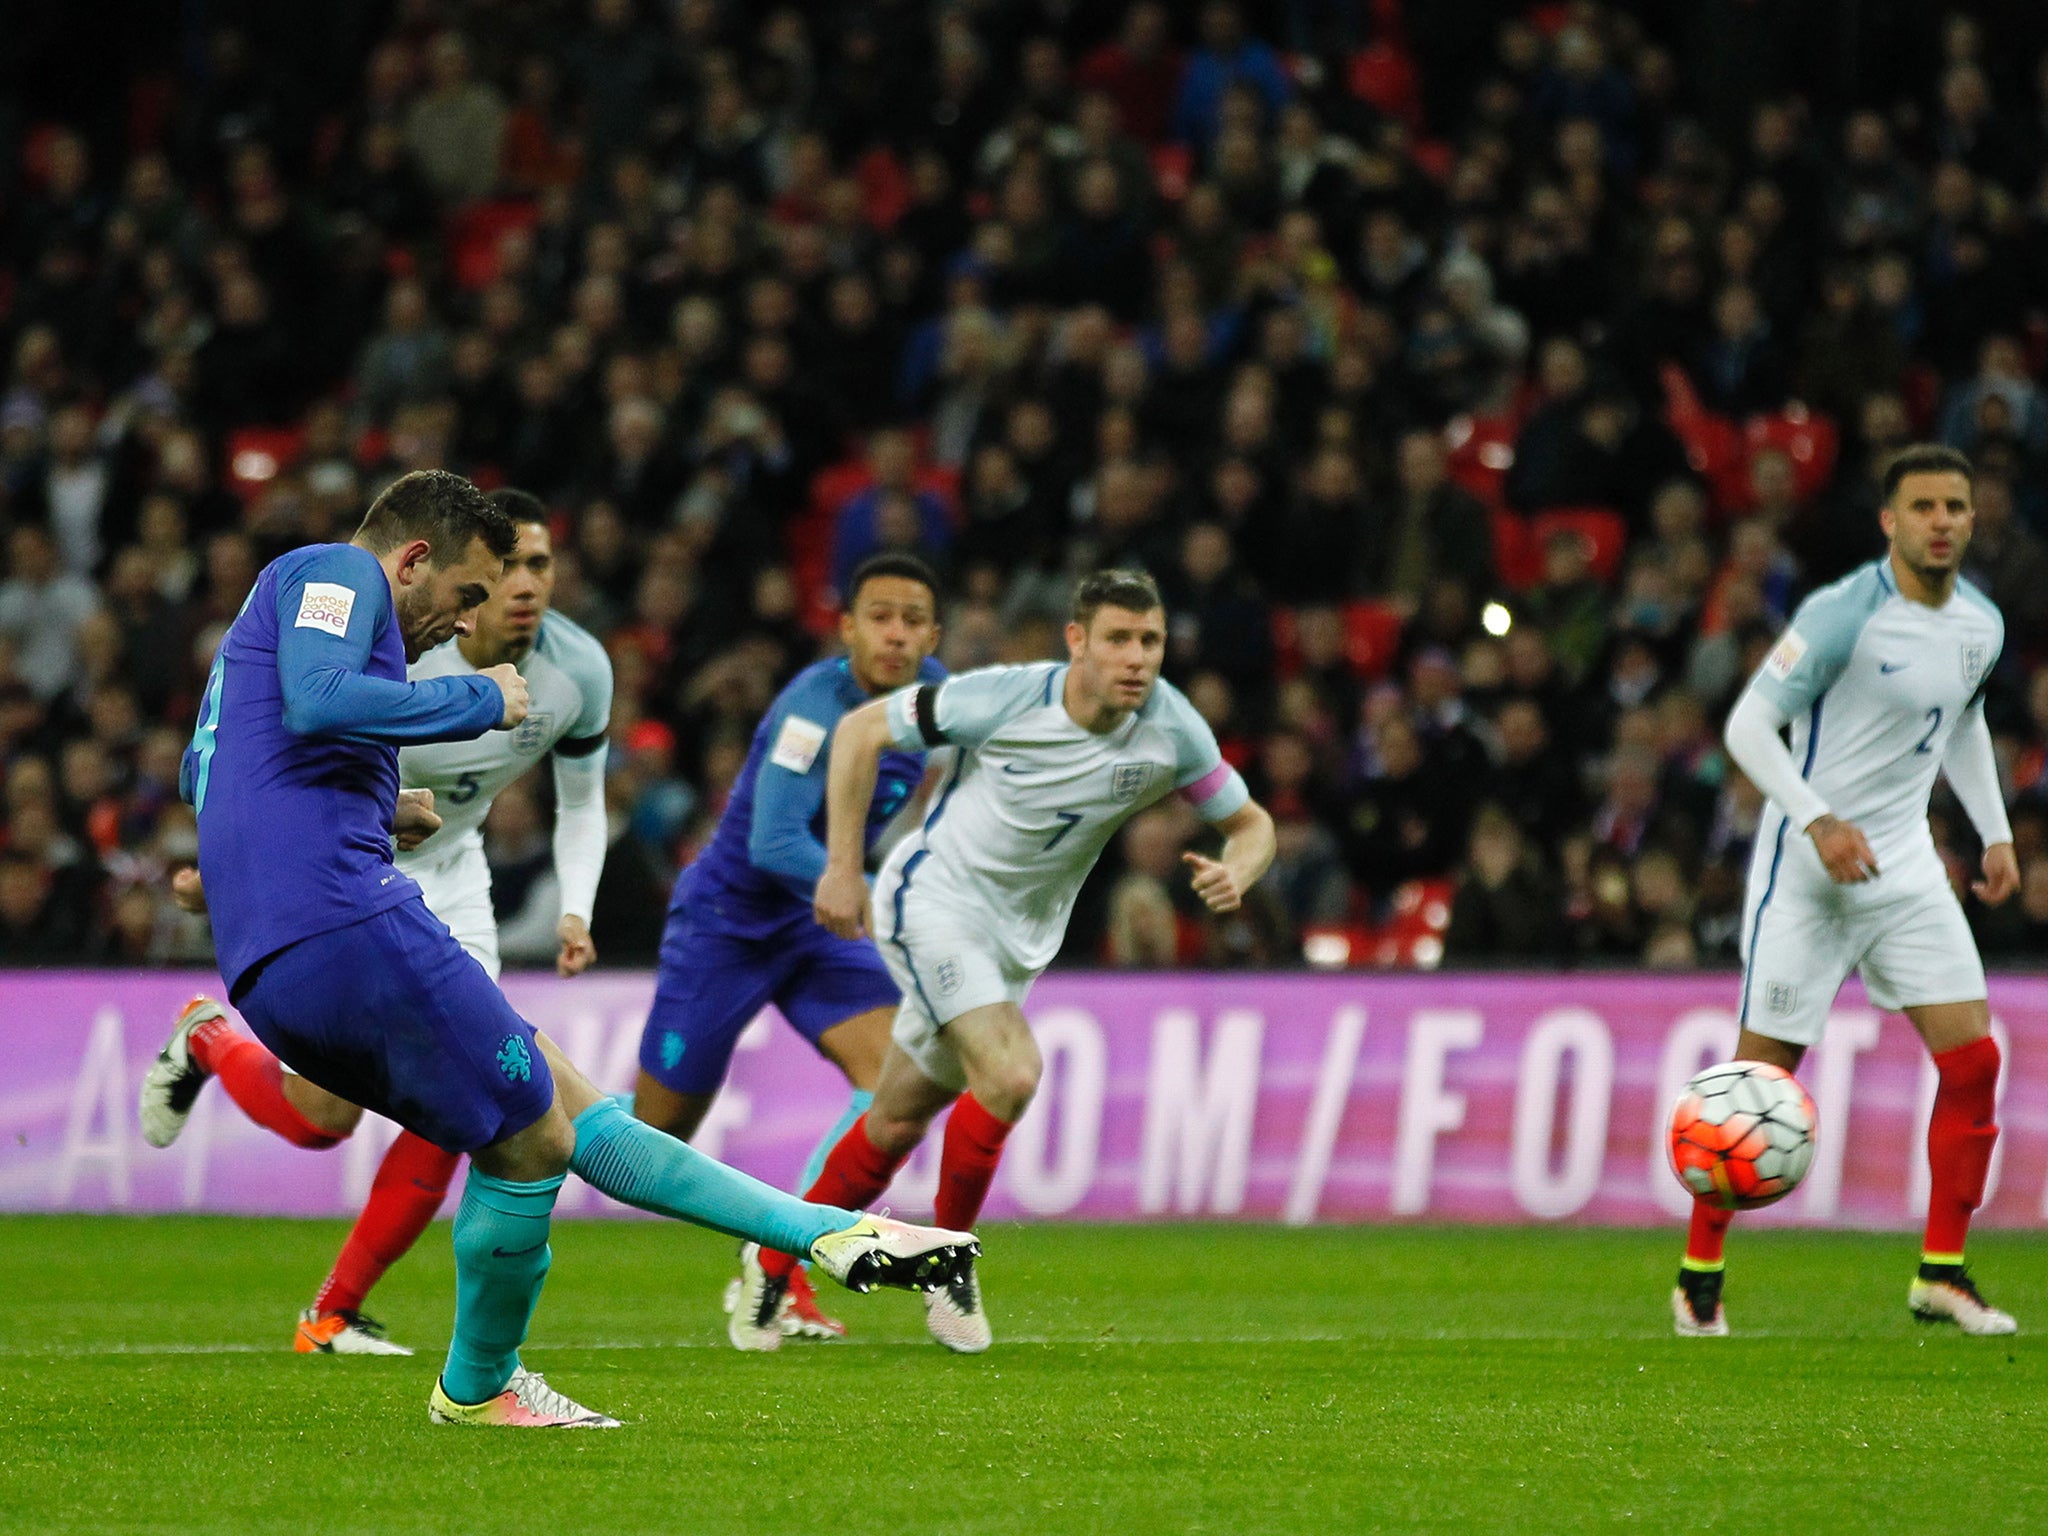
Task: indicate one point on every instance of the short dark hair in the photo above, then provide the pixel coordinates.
(905, 567)
(520, 506)
(1925, 459)
(442, 508)
(1132, 590)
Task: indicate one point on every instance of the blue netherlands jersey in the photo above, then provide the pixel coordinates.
(765, 858)
(293, 765)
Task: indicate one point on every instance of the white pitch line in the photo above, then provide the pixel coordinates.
(1064, 1341)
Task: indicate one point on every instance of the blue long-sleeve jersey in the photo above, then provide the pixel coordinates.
(293, 766)
(763, 862)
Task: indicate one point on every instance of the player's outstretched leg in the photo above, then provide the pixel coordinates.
(640, 1166)
(856, 1171)
(1696, 1299)
(407, 1192)
(1960, 1136)
(204, 1044)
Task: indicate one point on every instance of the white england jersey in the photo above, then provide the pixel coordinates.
(1032, 800)
(569, 700)
(1876, 686)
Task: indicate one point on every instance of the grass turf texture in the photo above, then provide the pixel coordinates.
(1188, 1378)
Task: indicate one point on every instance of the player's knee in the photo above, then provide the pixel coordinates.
(1006, 1089)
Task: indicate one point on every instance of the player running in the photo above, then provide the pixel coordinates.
(968, 910)
(569, 686)
(342, 971)
(740, 932)
(1881, 678)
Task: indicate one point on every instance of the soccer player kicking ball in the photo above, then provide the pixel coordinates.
(740, 932)
(569, 694)
(1881, 679)
(969, 909)
(338, 966)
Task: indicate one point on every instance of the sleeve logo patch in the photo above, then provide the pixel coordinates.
(1785, 655)
(326, 605)
(798, 744)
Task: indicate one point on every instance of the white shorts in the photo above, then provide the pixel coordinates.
(1803, 935)
(942, 974)
(458, 891)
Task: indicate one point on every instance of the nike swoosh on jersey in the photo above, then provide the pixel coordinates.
(1893, 666)
(1013, 768)
(516, 1253)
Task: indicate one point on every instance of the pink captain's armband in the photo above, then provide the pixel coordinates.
(1208, 786)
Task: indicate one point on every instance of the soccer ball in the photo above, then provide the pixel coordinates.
(1742, 1135)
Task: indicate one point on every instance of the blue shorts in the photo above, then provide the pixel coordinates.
(392, 1014)
(711, 984)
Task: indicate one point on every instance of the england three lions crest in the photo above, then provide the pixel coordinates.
(1976, 662)
(1127, 781)
(533, 733)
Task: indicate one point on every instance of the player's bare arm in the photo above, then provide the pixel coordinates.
(841, 901)
(1247, 854)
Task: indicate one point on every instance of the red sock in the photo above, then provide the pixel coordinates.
(856, 1170)
(1960, 1136)
(1704, 1238)
(406, 1193)
(254, 1079)
(974, 1140)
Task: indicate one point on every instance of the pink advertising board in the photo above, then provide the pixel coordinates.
(1495, 1098)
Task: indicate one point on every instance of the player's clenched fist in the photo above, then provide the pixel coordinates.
(513, 687)
(1215, 883)
(1843, 849)
(841, 902)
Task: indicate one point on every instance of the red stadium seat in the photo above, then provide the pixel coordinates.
(1372, 638)
(257, 455)
(1713, 444)
(1517, 560)
(1384, 76)
(1482, 448)
(474, 232)
(1809, 440)
(1604, 530)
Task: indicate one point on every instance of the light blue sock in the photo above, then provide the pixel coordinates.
(634, 1163)
(861, 1100)
(501, 1259)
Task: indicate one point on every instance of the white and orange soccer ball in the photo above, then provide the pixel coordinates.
(1742, 1135)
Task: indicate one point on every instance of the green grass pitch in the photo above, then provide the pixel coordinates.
(1145, 1379)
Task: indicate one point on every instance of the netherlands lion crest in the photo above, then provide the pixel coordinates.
(531, 734)
(1976, 661)
(1127, 781)
(514, 1060)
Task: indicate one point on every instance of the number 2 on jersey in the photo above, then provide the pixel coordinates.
(1068, 821)
(1933, 725)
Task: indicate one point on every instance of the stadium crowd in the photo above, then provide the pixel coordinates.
(1484, 385)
